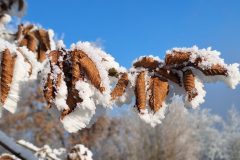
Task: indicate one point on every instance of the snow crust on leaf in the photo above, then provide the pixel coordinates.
(20, 74)
(83, 112)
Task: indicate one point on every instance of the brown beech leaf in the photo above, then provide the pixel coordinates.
(189, 84)
(19, 32)
(7, 65)
(44, 43)
(214, 70)
(140, 91)
(72, 100)
(27, 29)
(37, 41)
(159, 89)
(31, 42)
(177, 58)
(73, 96)
(48, 90)
(169, 74)
(72, 73)
(120, 86)
(51, 85)
(91, 71)
(41, 55)
(67, 69)
(147, 62)
(44, 38)
(23, 42)
(54, 56)
(76, 70)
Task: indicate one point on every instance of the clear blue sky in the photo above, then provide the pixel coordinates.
(130, 28)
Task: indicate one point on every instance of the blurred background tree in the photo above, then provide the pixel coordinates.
(183, 134)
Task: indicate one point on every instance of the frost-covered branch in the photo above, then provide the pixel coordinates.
(45, 152)
(24, 150)
(10, 145)
(84, 79)
(78, 152)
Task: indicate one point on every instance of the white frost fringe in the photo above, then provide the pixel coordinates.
(153, 118)
(199, 99)
(83, 112)
(31, 57)
(61, 97)
(20, 72)
(20, 75)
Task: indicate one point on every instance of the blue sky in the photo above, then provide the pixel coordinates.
(130, 28)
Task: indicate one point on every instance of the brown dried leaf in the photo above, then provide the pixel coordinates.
(177, 58)
(19, 32)
(159, 90)
(41, 55)
(54, 56)
(44, 43)
(7, 65)
(215, 70)
(72, 100)
(168, 74)
(48, 90)
(70, 70)
(189, 84)
(120, 86)
(51, 85)
(23, 42)
(147, 62)
(73, 97)
(36, 41)
(76, 70)
(140, 91)
(76, 76)
(67, 70)
(31, 42)
(27, 29)
(43, 37)
(58, 82)
(91, 71)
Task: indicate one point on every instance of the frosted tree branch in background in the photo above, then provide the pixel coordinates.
(14, 148)
(78, 152)
(27, 151)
